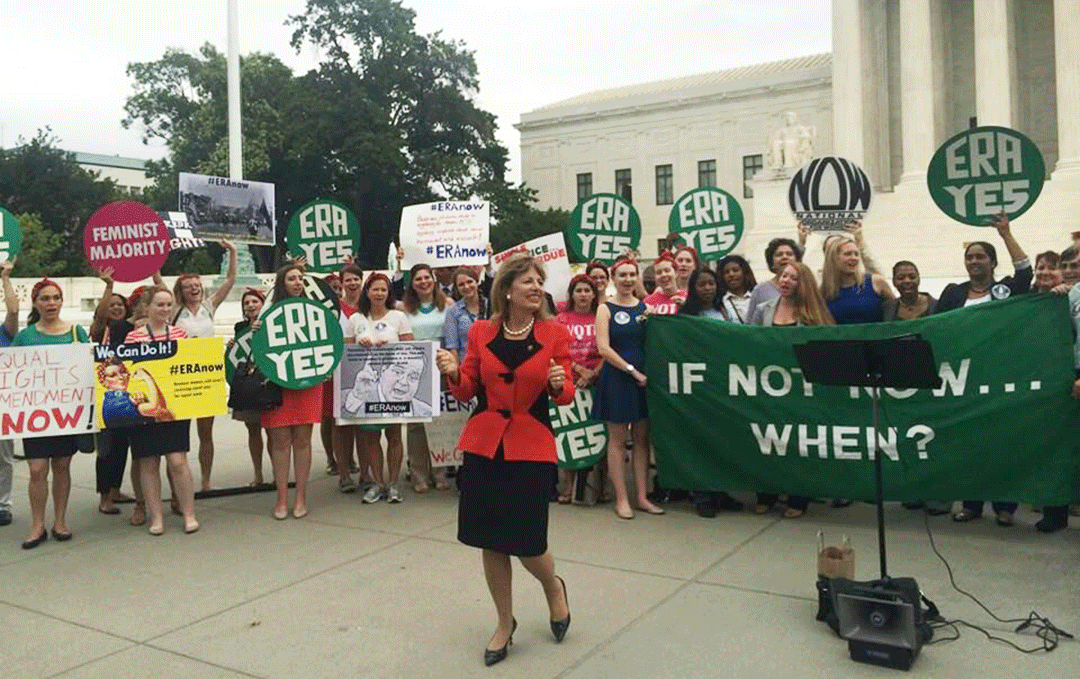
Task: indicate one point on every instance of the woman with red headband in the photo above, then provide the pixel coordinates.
(195, 315)
(580, 319)
(251, 305)
(686, 263)
(619, 400)
(666, 299)
(598, 272)
(44, 326)
(375, 324)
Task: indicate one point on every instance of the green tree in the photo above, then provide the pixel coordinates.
(38, 178)
(38, 256)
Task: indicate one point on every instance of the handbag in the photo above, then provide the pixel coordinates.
(251, 390)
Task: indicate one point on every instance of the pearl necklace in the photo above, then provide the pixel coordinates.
(515, 333)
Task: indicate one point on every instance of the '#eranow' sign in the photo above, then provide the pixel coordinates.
(829, 192)
(983, 172)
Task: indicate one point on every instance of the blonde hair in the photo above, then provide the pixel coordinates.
(515, 266)
(810, 308)
(831, 276)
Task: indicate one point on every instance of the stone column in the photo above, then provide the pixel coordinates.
(995, 67)
(917, 88)
(847, 80)
(1067, 63)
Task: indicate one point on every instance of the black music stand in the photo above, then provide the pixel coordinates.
(904, 362)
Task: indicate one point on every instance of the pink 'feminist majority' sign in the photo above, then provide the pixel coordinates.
(129, 237)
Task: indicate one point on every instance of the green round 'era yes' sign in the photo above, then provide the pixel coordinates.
(983, 171)
(710, 220)
(238, 353)
(10, 236)
(603, 227)
(325, 232)
(299, 343)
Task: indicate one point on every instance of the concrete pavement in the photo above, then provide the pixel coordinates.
(386, 591)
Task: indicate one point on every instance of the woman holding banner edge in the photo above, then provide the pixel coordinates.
(515, 363)
(619, 401)
(980, 260)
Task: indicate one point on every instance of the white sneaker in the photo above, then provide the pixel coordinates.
(393, 496)
(373, 494)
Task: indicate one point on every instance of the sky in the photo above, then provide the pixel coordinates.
(67, 58)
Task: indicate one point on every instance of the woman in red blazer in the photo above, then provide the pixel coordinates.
(514, 364)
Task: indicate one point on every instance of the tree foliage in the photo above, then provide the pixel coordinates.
(387, 119)
(38, 178)
(39, 255)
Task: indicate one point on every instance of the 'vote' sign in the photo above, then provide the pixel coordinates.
(299, 343)
(710, 220)
(325, 232)
(603, 227)
(985, 171)
(10, 236)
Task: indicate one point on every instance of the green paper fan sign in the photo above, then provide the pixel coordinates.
(325, 232)
(983, 171)
(298, 344)
(709, 220)
(10, 236)
(603, 227)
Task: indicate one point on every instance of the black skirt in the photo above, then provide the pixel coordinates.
(160, 438)
(45, 447)
(503, 505)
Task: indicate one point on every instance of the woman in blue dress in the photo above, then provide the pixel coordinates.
(619, 401)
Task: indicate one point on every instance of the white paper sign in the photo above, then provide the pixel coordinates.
(551, 250)
(443, 431)
(46, 390)
(389, 383)
(448, 233)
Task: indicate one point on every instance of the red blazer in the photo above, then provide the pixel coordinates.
(512, 404)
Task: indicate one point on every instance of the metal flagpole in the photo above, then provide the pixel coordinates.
(236, 160)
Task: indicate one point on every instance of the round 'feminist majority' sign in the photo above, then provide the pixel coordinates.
(710, 220)
(325, 232)
(603, 227)
(129, 237)
(984, 171)
(298, 344)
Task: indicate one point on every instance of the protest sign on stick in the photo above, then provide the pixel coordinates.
(447, 233)
(10, 236)
(159, 381)
(603, 227)
(127, 237)
(580, 441)
(238, 211)
(326, 233)
(551, 251)
(182, 235)
(46, 390)
(709, 220)
(298, 344)
(388, 383)
(984, 171)
(828, 193)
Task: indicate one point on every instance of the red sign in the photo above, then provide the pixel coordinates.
(129, 237)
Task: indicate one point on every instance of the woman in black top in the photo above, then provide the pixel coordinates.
(980, 259)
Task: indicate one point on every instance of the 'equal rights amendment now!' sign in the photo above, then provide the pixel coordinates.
(729, 409)
(46, 391)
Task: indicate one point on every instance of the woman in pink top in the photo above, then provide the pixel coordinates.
(666, 299)
(580, 319)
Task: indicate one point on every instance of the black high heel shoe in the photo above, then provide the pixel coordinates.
(499, 654)
(559, 627)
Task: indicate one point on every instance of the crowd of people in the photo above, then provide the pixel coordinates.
(603, 315)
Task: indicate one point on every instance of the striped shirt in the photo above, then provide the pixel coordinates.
(143, 334)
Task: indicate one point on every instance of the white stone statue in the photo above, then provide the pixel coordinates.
(791, 146)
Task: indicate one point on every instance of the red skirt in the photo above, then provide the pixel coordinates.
(298, 406)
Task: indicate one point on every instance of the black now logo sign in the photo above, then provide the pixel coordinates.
(829, 192)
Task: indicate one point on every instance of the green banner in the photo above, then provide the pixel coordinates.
(729, 409)
(603, 227)
(982, 171)
(709, 220)
(326, 233)
(10, 236)
(581, 441)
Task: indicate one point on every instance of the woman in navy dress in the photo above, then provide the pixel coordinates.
(620, 389)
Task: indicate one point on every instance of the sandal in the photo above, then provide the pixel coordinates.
(565, 499)
(965, 515)
(792, 513)
(420, 488)
(138, 517)
(1004, 519)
